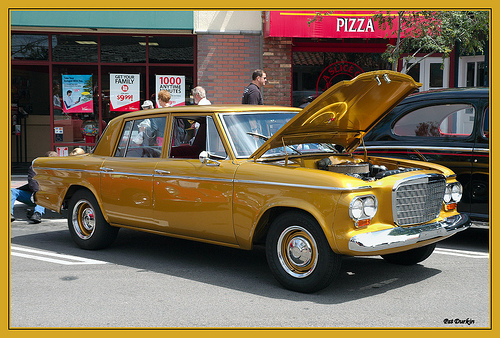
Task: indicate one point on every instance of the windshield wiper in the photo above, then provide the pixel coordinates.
(265, 138)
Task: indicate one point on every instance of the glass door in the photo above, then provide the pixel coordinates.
(471, 71)
(432, 72)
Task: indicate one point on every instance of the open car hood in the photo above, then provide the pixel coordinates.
(344, 113)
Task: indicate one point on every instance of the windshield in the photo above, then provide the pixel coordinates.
(248, 131)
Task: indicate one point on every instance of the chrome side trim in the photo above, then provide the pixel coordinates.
(69, 169)
(399, 236)
(194, 178)
(169, 177)
(122, 173)
(305, 186)
(103, 170)
(385, 147)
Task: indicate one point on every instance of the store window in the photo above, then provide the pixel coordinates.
(414, 71)
(123, 49)
(171, 49)
(63, 83)
(314, 72)
(74, 48)
(29, 47)
(436, 75)
(432, 72)
(75, 104)
(30, 110)
(472, 72)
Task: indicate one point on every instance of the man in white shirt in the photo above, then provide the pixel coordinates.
(200, 96)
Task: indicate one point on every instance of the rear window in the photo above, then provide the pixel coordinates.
(447, 120)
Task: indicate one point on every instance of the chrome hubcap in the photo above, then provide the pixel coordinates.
(83, 219)
(297, 252)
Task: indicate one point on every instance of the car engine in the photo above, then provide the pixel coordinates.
(365, 171)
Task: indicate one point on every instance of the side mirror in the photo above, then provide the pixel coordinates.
(205, 159)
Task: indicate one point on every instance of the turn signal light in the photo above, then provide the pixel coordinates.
(450, 206)
(363, 223)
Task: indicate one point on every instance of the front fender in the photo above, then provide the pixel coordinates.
(252, 206)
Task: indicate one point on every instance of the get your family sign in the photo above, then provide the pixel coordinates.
(124, 92)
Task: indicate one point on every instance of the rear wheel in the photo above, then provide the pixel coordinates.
(86, 224)
(410, 257)
(299, 255)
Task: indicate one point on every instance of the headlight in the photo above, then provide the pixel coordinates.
(362, 209)
(456, 192)
(447, 194)
(370, 206)
(356, 209)
(453, 193)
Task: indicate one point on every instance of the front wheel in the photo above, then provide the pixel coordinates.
(410, 257)
(86, 223)
(299, 255)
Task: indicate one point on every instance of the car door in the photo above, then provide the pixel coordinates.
(479, 183)
(127, 177)
(192, 198)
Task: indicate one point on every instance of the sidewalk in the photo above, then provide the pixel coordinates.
(18, 180)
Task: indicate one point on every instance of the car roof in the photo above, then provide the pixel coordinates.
(194, 109)
(436, 94)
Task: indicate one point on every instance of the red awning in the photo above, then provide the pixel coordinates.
(337, 24)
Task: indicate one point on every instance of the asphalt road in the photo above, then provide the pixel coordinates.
(146, 280)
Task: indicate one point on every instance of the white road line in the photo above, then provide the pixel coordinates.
(462, 253)
(46, 257)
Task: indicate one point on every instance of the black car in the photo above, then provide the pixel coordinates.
(449, 127)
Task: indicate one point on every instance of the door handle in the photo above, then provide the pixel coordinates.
(107, 170)
(162, 172)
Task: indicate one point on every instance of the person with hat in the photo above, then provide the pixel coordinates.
(147, 105)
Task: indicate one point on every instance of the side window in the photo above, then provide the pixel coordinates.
(486, 123)
(192, 135)
(142, 138)
(214, 142)
(189, 136)
(446, 120)
(122, 145)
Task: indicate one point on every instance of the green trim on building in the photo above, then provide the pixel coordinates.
(103, 19)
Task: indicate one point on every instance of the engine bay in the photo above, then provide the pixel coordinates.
(364, 170)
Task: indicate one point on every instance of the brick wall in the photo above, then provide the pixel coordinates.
(226, 64)
(277, 63)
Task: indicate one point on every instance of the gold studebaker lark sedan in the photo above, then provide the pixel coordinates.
(245, 175)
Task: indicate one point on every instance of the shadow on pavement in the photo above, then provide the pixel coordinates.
(245, 271)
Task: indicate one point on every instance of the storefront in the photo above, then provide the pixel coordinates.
(69, 80)
(343, 44)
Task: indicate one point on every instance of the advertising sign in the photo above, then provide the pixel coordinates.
(175, 85)
(337, 24)
(124, 92)
(77, 94)
(336, 72)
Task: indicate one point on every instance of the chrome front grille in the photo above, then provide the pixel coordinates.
(418, 199)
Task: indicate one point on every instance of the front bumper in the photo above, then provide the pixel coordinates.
(403, 236)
